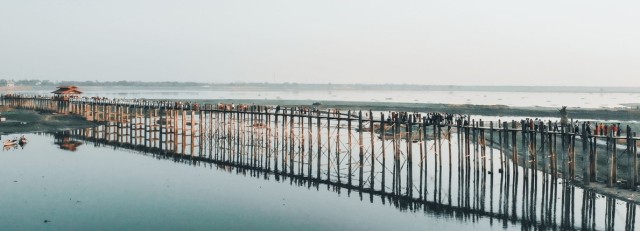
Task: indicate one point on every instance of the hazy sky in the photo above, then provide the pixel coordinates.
(555, 42)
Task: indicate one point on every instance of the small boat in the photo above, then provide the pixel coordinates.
(10, 142)
(23, 140)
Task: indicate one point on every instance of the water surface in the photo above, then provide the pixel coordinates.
(103, 186)
(99, 188)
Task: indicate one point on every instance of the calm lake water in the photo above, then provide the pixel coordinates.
(99, 188)
(45, 186)
(517, 99)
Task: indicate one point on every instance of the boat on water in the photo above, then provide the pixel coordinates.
(23, 140)
(10, 142)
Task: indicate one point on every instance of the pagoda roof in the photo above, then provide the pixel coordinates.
(67, 90)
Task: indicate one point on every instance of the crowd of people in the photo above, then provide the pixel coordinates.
(603, 129)
(429, 118)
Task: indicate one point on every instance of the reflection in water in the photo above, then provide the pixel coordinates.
(9, 147)
(588, 209)
(14, 143)
(483, 189)
(64, 141)
(630, 218)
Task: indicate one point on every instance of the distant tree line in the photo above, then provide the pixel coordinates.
(47, 83)
(265, 86)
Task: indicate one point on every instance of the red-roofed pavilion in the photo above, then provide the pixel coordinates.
(66, 92)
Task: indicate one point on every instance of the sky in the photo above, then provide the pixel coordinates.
(543, 42)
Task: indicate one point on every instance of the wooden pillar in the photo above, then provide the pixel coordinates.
(543, 140)
(283, 141)
(425, 147)
(564, 151)
(631, 166)
(183, 130)
(319, 153)
(574, 160)
(383, 131)
(193, 132)
(202, 122)
(145, 123)
(269, 139)
(635, 159)
(585, 156)
(422, 155)
(252, 149)
(94, 109)
(514, 145)
(161, 111)
(450, 150)
(490, 146)
(350, 151)
(593, 161)
(409, 143)
(551, 145)
(338, 166)
(394, 181)
(329, 146)
(301, 146)
(176, 132)
(502, 133)
(291, 143)
(614, 156)
(227, 134)
(361, 149)
(310, 155)
(439, 144)
(610, 162)
(373, 153)
(525, 148)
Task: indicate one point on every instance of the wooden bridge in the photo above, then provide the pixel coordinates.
(309, 134)
(410, 159)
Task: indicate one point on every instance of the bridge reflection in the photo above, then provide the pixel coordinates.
(467, 192)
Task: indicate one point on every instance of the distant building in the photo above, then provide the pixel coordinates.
(10, 84)
(66, 92)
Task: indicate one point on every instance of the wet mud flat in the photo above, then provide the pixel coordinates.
(24, 121)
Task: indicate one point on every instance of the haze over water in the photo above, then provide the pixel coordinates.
(102, 188)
